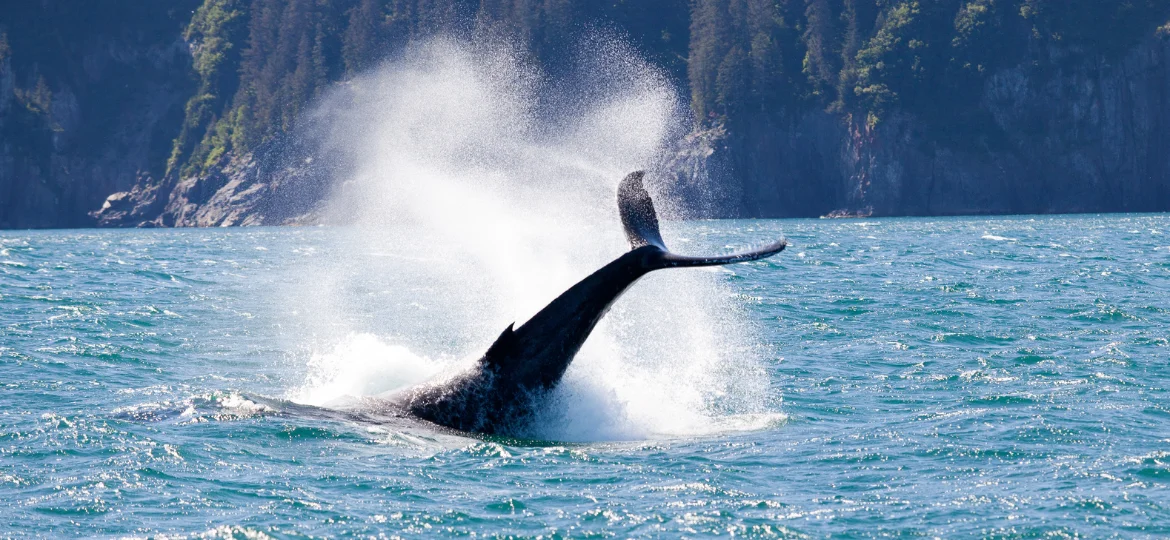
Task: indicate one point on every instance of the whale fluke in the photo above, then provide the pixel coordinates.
(504, 386)
(641, 223)
(637, 211)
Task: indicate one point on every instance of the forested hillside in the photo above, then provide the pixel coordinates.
(878, 56)
(806, 107)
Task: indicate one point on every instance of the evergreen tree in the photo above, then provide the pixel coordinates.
(363, 40)
(821, 35)
(857, 19)
(709, 32)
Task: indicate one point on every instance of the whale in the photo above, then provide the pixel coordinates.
(505, 387)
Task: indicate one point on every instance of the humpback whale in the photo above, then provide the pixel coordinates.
(503, 387)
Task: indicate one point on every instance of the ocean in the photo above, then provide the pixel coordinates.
(950, 377)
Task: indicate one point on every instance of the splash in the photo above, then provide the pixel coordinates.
(361, 365)
(480, 190)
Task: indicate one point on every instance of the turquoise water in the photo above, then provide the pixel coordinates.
(950, 377)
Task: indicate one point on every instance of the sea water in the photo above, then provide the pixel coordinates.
(1001, 376)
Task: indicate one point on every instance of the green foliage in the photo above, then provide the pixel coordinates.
(731, 79)
(976, 35)
(51, 46)
(706, 53)
(892, 60)
(872, 58)
(1110, 26)
(285, 65)
(214, 32)
(37, 100)
(822, 59)
(741, 61)
(365, 38)
(857, 18)
(257, 65)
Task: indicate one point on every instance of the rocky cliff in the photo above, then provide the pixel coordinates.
(1068, 133)
(1063, 132)
(88, 106)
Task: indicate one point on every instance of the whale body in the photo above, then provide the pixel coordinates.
(504, 386)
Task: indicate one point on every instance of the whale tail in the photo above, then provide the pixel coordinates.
(533, 357)
(641, 225)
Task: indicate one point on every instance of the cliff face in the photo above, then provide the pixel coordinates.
(1063, 133)
(1082, 134)
(83, 113)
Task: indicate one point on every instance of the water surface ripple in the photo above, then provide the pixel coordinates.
(950, 377)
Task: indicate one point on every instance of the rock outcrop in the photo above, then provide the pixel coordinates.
(283, 182)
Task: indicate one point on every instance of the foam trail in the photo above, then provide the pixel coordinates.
(473, 207)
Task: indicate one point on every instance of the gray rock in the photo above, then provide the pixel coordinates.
(281, 183)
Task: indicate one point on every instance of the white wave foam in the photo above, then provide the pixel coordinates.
(195, 408)
(240, 405)
(996, 238)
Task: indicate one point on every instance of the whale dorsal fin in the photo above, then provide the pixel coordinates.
(638, 215)
(499, 350)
